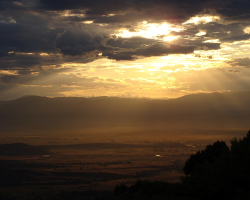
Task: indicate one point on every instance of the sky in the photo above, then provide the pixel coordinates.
(134, 48)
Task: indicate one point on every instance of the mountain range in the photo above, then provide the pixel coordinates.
(214, 110)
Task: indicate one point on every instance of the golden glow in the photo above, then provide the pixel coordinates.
(8, 72)
(202, 19)
(44, 54)
(212, 41)
(170, 38)
(21, 53)
(150, 30)
(110, 15)
(88, 22)
(67, 13)
(155, 77)
(11, 52)
(247, 30)
(201, 33)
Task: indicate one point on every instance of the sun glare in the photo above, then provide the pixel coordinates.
(170, 38)
(151, 31)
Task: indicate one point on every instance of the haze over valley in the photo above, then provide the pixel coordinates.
(85, 144)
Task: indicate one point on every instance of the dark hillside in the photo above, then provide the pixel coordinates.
(20, 149)
(199, 110)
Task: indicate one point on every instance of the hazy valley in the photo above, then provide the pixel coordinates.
(57, 146)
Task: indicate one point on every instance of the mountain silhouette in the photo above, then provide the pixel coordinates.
(20, 149)
(73, 113)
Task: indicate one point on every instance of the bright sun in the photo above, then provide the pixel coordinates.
(151, 31)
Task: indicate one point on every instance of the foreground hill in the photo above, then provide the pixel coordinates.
(216, 110)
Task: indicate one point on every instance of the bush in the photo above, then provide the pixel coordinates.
(211, 153)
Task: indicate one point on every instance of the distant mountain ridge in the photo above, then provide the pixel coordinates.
(20, 149)
(34, 112)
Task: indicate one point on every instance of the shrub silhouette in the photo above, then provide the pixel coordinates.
(120, 189)
(148, 190)
(208, 155)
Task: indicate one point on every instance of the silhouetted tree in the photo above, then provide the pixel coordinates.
(241, 146)
(208, 155)
(120, 189)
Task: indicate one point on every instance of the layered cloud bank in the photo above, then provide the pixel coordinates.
(134, 48)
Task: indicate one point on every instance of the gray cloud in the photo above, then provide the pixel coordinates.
(26, 38)
(224, 32)
(77, 41)
(235, 10)
(28, 61)
(235, 38)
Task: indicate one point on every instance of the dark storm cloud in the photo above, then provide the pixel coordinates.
(226, 32)
(235, 38)
(77, 41)
(158, 9)
(20, 62)
(156, 49)
(229, 9)
(153, 9)
(6, 53)
(125, 18)
(235, 9)
(99, 7)
(26, 38)
(35, 61)
(131, 48)
(10, 4)
(2, 53)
